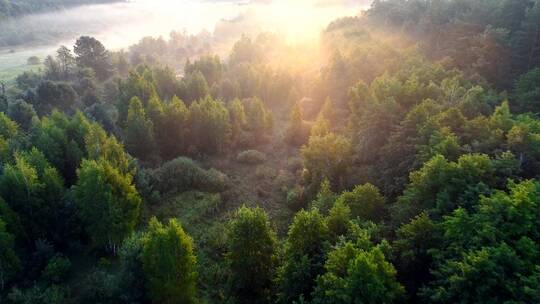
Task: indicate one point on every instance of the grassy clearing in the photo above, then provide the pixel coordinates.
(14, 62)
(8, 75)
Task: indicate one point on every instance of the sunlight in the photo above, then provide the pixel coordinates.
(269, 151)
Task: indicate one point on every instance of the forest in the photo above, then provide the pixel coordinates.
(397, 163)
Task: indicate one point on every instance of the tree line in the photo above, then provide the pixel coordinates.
(408, 177)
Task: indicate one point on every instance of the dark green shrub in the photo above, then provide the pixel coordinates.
(251, 157)
(183, 174)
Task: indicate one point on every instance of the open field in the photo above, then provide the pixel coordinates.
(14, 62)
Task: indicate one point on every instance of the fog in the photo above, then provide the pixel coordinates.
(122, 24)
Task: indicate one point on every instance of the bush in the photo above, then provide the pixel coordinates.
(183, 174)
(251, 157)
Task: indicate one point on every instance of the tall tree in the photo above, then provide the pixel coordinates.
(304, 256)
(327, 157)
(173, 129)
(169, 264)
(252, 256)
(210, 125)
(66, 61)
(295, 133)
(258, 119)
(194, 87)
(139, 131)
(238, 118)
(92, 54)
(107, 203)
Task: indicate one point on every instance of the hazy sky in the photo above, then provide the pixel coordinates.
(119, 25)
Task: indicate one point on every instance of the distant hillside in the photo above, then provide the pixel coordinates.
(14, 8)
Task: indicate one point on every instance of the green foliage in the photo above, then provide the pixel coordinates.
(61, 139)
(441, 186)
(251, 256)
(194, 87)
(503, 43)
(34, 190)
(527, 92)
(238, 118)
(258, 119)
(295, 133)
(139, 131)
(9, 261)
(172, 138)
(210, 122)
(9, 132)
(183, 174)
(327, 157)
(56, 270)
(495, 244)
(99, 146)
(169, 264)
(251, 157)
(325, 198)
(53, 95)
(304, 256)
(90, 53)
(165, 82)
(365, 202)
(245, 51)
(107, 202)
(209, 66)
(412, 246)
(135, 85)
(22, 112)
(355, 275)
(416, 104)
(131, 275)
(98, 286)
(53, 294)
(9, 128)
(338, 220)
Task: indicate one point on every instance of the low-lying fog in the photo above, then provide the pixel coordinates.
(121, 24)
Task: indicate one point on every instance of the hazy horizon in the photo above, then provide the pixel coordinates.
(119, 25)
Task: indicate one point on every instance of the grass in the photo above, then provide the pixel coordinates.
(8, 75)
(14, 62)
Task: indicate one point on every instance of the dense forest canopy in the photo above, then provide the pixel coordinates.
(398, 163)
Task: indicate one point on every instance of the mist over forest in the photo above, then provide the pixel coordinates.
(120, 24)
(269, 151)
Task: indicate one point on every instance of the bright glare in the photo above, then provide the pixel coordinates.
(119, 25)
